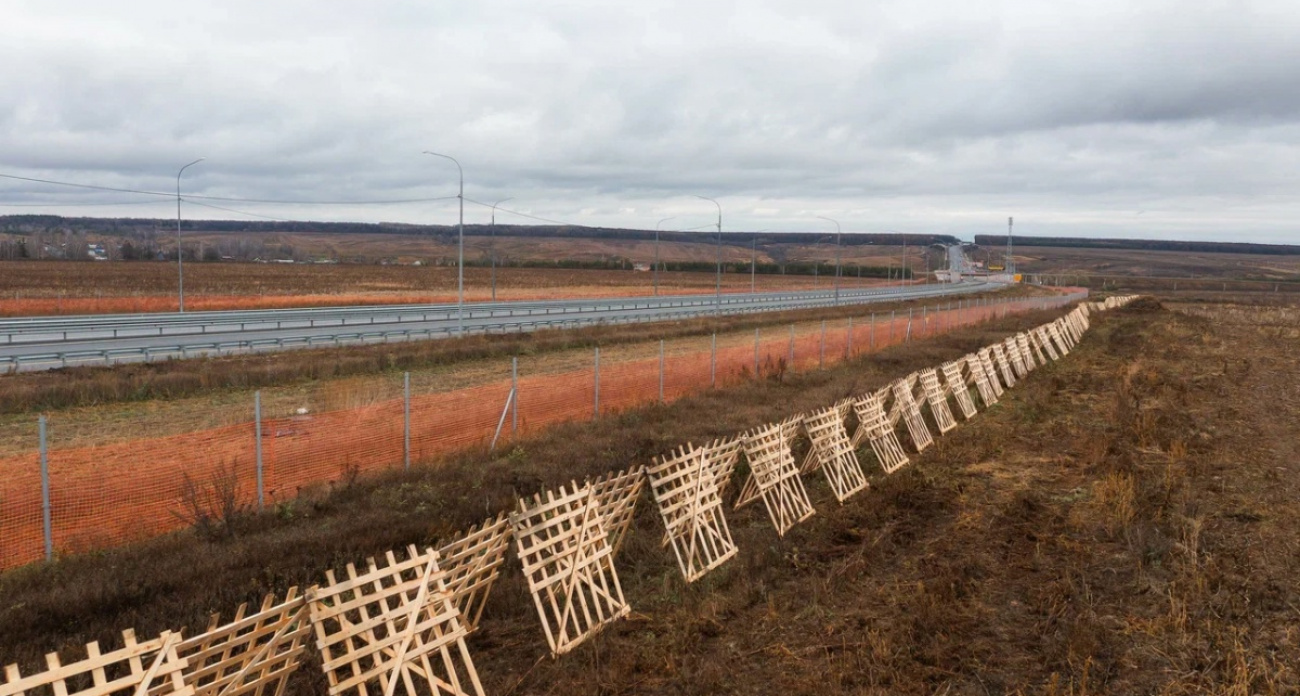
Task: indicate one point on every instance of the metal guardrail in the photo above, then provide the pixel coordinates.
(518, 320)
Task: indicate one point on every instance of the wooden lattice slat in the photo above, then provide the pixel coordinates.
(616, 494)
(472, 562)
(723, 455)
(569, 564)
(938, 401)
(774, 478)
(393, 627)
(952, 376)
(1004, 367)
(250, 654)
(1012, 351)
(905, 405)
(991, 370)
(686, 493)
(139, 668)
(832, 449)
(875, 427)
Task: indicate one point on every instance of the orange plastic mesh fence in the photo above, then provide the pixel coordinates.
(109, 494)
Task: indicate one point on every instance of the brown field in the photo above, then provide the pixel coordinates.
(1139, 263)
(1127, 521)
(30, 288)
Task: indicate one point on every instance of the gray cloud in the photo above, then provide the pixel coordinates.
(889, 116)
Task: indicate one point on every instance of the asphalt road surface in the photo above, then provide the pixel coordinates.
(42, 343)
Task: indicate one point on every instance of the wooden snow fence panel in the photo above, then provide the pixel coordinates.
(1026, 355)
(1014, 357)
(250, 654)
(1045, 342)
(980, 378)
(1004, 367)
(137, 668)
(392, 625)
(906, 407)
(1031, 345)
(616, 494)
(956, 383)
(472, 562)
(874, 427)
(834, 453)
(686, 492)
(569, 564)
(723, 455)
(990, 369)
(938, 401)
(1054, 331)
(810, 461)
(774, 478)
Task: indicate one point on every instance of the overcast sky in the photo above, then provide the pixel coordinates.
(1127, 118)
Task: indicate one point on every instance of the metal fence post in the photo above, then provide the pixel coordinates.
(596, 400)
(871, 338)
(755, 353)
(848, 341)
(514, 387)
(47, 523)
(713, 362)
(792, 346)
(257, 419)
(406, 421)
(661, 370)
(821, 348)
(891, 327)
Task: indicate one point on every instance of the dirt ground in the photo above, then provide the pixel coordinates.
(1124, 522)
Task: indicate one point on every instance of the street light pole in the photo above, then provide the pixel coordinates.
(837, 258)
(718, 291)
(460, 260)
(180, 257)
(492, 245)
(656, 268)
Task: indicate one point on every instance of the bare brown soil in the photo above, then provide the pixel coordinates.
(1162, 266)
(1125, 522)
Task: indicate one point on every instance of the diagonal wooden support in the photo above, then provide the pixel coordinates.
(686, 492)
(569, 564)
(251, 654)
(979, 376)
(956, 383)
(834, 452)
(616, 495)
(875, 427)
(1045, 342)
(991, 370)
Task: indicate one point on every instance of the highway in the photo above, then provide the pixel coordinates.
(42, 343)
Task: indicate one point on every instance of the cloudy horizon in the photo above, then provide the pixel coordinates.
(1105, 119)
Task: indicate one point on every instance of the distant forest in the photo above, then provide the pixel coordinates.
(1000, 241)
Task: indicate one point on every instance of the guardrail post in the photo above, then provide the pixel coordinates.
(596, 400)
(47, 523)
(406, 421)
(514, 387)
(257, 420)
(661, 370)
